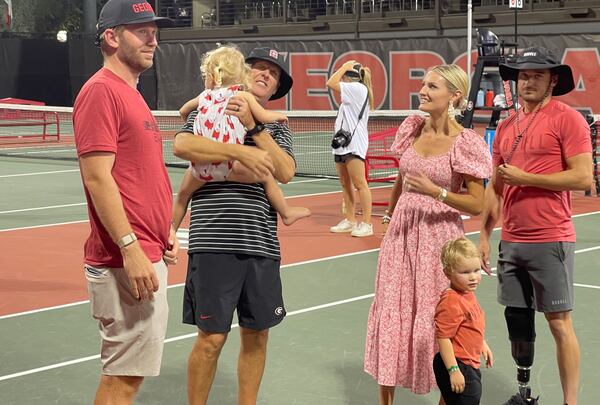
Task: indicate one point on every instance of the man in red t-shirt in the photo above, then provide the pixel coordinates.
(540, 154)
(129, 202)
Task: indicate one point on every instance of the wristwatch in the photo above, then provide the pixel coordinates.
(442, 195)
(258, 128)
(126, 240)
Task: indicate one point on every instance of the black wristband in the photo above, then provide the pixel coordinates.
(258, 128)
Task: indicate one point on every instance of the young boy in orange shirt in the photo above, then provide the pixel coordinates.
(460, 326)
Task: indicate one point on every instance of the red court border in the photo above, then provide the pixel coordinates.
(42, 267)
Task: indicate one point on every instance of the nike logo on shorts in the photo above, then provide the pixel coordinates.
(203, 317)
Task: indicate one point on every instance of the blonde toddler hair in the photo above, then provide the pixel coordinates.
(226, 66)
(455, 250)
(457, 79)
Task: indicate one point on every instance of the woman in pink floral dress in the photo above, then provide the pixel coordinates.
(437, 156)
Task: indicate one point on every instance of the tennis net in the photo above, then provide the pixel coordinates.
(40, 132)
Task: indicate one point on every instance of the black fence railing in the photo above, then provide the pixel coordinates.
(180, 11)
(240, 12)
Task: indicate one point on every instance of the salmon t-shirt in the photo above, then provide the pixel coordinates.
(110, 116)
(459, 317)
(557, 133)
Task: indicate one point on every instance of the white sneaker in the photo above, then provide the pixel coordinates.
(362, 229)
(344, 226)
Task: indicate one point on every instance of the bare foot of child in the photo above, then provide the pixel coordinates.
(295, 213)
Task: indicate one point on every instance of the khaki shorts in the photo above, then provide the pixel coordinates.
(132, 332)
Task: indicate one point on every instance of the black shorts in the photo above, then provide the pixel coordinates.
(472, 393)
(218, 283)
(345, 158)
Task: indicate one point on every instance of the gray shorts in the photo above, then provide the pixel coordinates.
(132, 331)
(536, 275)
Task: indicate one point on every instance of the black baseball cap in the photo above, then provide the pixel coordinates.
(539, 58)
(123, 12)
(273, 56)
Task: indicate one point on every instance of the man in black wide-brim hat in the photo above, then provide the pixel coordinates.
(540, 154)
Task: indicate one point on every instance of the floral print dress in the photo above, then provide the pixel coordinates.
(400, 342)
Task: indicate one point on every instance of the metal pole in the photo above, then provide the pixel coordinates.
(218, 13)
(469, 36)
(89, 16)
(357, 8)
(516, 40)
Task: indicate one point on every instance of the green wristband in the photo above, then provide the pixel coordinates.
(452, 369)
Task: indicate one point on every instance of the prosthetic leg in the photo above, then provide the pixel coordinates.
(521, 331)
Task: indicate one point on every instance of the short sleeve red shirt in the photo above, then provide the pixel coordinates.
(459, 317)
(532, 214)
(110, 116)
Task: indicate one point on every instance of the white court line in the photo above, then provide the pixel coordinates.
(37, 173)
(77, 170)
(37, 152)
(177, 338)
(49, 207)
(191, 335)
(44, 225)
(83, 203)
(308, 181)
(285, 266)
(42, 208)
(335, 192)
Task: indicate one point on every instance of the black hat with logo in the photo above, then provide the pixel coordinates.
(123, 12)
(535, 59)
(273, 56)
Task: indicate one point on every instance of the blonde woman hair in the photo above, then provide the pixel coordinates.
(226, 66)
(365, 74)
(456, 250)
(456, 79)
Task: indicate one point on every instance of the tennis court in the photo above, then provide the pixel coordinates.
(51, 344)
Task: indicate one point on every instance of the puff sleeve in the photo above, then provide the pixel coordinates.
(471, 155)
(406, 134)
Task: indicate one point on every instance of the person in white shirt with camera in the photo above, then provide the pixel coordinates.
(350, 143)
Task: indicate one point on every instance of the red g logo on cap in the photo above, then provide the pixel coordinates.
(142, 7)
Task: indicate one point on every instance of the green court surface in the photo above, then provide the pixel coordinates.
(315, 356)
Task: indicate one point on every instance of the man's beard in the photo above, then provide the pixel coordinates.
(135, 60)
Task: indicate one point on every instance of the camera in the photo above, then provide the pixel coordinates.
(356, 72)
(341, 139)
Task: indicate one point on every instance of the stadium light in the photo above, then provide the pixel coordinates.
(61, 36)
